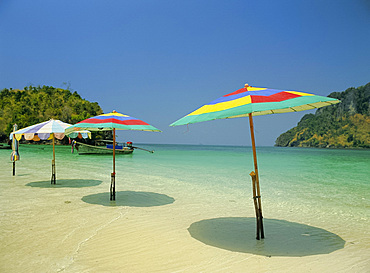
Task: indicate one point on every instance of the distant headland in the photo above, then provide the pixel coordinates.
(343, 125)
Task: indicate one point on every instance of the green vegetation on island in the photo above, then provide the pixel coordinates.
(33, 105)
(343, 125)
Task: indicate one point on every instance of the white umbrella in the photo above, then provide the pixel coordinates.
(47, 130)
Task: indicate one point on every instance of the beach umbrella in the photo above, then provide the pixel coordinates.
(15, 145)
(48, 130)
(112, 121)
(255, 101)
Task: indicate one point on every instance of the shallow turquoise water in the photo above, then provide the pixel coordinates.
(309, 185)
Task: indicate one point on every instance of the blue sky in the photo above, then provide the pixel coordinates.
(159, 60)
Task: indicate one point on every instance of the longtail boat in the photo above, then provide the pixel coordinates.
(85, 149)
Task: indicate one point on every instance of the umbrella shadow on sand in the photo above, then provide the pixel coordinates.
(282, 238)
(66, 183)
(130, 199)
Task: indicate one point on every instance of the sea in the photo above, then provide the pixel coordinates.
(319, 194)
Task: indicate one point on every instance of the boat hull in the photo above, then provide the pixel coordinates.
(85, 149)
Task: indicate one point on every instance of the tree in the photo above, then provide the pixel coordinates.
(37, 104)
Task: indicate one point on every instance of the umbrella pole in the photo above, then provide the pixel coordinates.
(253, 176)
(14, 148)
(258, 197)
(53, 163)
(113, 175)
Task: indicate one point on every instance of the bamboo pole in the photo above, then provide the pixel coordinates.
(114, 150)
(53, 178)
(113, 175)
(253, 176)
(257, 176)
(112, 187)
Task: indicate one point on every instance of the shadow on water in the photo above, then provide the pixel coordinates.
(66, 183)
(130, 198)
(282, 238)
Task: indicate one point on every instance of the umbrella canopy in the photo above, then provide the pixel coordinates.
(110, 121)
(255, 101)
(107, 122)
(47, 130)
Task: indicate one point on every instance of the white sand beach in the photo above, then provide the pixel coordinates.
(160, 224)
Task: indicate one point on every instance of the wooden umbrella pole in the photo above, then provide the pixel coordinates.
(14, 148)
(113, 175)
(257, 176)
(53, 163)
(253, 176)
(112, 187)
(114, 150)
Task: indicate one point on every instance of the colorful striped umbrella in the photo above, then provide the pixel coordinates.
(257, 101)
(110, 121)
(107, 122)
(47, 130)
(254, 101)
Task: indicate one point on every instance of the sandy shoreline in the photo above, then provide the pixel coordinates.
(166, 225)
(54, 232)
